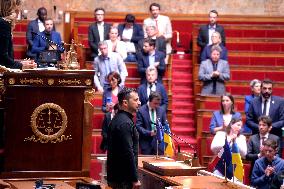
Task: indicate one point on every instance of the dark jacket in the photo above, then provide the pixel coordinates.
(105, 124)
(122, 156)
(6, 46)
(137, 35)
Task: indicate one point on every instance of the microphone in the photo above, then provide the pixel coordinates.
(49, 41)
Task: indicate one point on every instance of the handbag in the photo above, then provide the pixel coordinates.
(49, 56)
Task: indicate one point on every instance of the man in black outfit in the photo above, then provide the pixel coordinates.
(122, 155)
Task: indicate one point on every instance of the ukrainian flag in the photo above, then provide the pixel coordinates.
(237, 162)
(169, 150)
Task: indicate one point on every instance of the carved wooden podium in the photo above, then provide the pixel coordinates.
(47, 123)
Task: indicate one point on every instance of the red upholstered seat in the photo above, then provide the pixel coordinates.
(95, 169)
(97, 139)
(97, 120)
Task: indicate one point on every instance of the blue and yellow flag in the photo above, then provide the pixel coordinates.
(169, 150)
(237, 162)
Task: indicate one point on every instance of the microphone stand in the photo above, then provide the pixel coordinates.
(49, 41)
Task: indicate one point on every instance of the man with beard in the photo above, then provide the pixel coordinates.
(269, 105)
(122, 143)
(47, 40)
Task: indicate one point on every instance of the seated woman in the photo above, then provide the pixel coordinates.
(216, 40)
(255, 89)
(110, 94)
(221, 118)
(232, 134)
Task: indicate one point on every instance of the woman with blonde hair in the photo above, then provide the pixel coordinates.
(9, 9)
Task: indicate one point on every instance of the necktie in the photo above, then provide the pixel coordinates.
(262, 140)
(156, 20)
(264, 107)
(150, 87)
(153, 120)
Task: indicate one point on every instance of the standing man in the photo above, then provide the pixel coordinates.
(267, 167)
(35, 26)
(122, 155)
(151, 57)
(162, 23)
(105, 63)
(206, 31)
(269, 105)
(148, 117)
(214, 72)
(98, 31)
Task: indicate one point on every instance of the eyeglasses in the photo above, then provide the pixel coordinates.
(100, 14)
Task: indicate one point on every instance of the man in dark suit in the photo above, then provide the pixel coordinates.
(98, 31)
(205, 31)
(151, 57)
(35, 26)
(47, 40)
(266, 104)
(130, 33)
(160, 41)
(145, 89)
(147, 117)
(255, 147)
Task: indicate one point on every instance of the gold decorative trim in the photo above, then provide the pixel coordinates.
(31, 81)
(50, 81)
(46, 119)
(69, 82)
(11, 81)
(88, 82)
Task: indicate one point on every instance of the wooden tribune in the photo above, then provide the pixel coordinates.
(47, 123)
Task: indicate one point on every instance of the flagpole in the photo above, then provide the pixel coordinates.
(157, 151)
(225, 172)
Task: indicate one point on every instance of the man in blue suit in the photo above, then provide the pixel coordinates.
(266, 104)
(130, 33)
(151, 57)
(145, 89)
(148, 117)
(34, 27)
(47, 40)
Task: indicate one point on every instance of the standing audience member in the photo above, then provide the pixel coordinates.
(98, 31)
(221, 118)
(107, 119)
(255, 89)
(214, 72)
(160, 41)
(266, 104)
(162, 23)
(266, 167)
(151, 57)
(47, 40)
(147, 117)
(122, 143)
(115, 45)
(255, 144)
(131, 33)
(9, 10)
(110, 93)
(216, 40)
(145, 89)
(106, 63)
(206, 31)
(34, 27)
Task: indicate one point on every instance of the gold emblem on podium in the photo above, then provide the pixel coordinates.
(48, 123)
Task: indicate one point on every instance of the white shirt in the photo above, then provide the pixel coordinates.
(267, 105)
(41, 27)
(148, 88)
(265, 138)
(127, 34)
(101, 30)
(151, 59)
(211, 30)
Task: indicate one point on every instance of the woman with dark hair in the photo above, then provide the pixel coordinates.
(221, 118)
(9, 9)
(110, 94)
(232, 134)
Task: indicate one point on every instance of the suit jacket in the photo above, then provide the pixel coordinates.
(205, 72)
(276, 113)
(254, 146)
(143, 64)
(94, 37)
(30, 36)
(40, 44)
(137, 35)
(160, 44)
(6, 47)
(217, 120)
(206, 53)
(203, 38)
(143, 124)
(143, 97)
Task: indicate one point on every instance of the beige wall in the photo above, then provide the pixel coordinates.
(235, 7)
